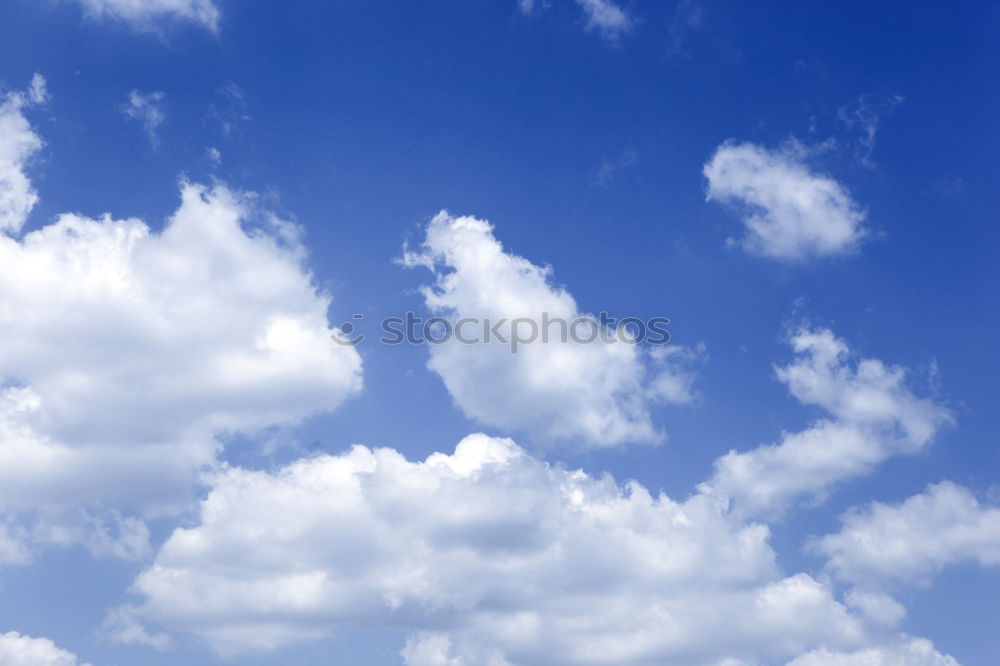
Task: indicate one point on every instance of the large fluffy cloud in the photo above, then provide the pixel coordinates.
(18, 144)
(908, 542)
(488, 556)
(874, 415)
(147, 14)
(127, 351)
(791, 212)
(596, 394)
(19, 650)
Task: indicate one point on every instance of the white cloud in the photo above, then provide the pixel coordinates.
(19, 650)
(18, 144)
(792, 213)
(128, 352)
(597, 394)
(148, 14)
(876, 606)
(488, 556)
(875, 416)
(147, 109)
(909, 542)
(491, 557)
(605, 17)
(904, 652)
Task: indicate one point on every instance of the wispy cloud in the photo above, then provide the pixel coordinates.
(687, 17)
(609, 169)
(148, 15)
(231, 108)
(531, 6)
(147, 109)
(865, 117)
(605, 17)
(602, 16)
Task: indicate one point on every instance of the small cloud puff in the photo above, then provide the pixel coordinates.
(791, 213)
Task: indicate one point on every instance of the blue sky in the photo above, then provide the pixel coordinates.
(860, 135)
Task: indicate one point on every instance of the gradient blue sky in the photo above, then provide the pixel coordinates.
(361, 121)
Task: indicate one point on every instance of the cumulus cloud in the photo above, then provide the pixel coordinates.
(18, 144)
(487, 556)
(491, 556)
(148, 110)
(874, 415)
(596, 394)
(904, 652)
(128, 352)
(19, 650)
(147, 15)
(605, 17)
(910, 541)
(791, 212)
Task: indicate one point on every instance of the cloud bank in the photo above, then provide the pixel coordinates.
(487, 556)
(498, 555)
(490, 556)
